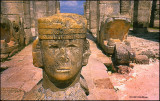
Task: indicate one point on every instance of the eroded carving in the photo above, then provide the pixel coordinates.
(61, 58)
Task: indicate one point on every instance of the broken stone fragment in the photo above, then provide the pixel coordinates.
(142, 59)
(123, 54)
(117, 28)
(148, 53)
(122, 69)
(4, 56)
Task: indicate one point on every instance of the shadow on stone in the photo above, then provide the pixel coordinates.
(153, 36)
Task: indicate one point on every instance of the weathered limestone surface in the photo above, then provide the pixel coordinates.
(20, 77)
(113, 30)
(142, 13)
(40, 11)
(125, 6)
(44, 9)
(27, 22)
(141, 59)
(72, 93)
(11, 94)
(61, 69)
(123, 54)
(99, 84)
(108, 9)
(51, 8)
(154, 19)
(93, 17)
(9, 38)
(126, 9)
(14, 11)
(98, 11)
(87, 12)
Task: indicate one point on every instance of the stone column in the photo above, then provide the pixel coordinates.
(84, 5)
(27, 22)
(142, 12)
(125, 8)
(93, 17)
(87, 13)
(40, 11)
(51, 8)
(108, 9)
(32, 13)
(132, 11)
(57, 6)
(154, 19)
(13, 10)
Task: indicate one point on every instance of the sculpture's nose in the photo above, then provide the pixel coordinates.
(63, 57)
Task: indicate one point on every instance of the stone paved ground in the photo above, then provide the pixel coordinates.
(145, 42)
(143, 81)
(20, 75)
(96, 75)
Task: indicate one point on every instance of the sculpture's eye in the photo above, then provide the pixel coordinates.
(53, 46)
(72, 45)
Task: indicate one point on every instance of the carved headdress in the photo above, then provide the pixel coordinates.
(62, 26)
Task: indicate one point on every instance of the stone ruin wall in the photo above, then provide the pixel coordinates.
(139, 12)
(21, 19)
(108, 32)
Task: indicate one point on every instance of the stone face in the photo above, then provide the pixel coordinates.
(61, 68)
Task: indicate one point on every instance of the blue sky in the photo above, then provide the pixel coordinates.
(72, 6)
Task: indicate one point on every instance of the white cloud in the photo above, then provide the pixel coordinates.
(69, 3)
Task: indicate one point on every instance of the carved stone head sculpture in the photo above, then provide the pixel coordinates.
(61, 49)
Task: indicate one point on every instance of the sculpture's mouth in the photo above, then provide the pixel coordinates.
(63, 69)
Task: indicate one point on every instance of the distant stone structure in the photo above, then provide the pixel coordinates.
(139, 11)
(108, 23)
(9, 39)
(21, 17)
(27, 22)
(154, 19)
(141, 15)
(113, 40)
(60, 50)
(114, 30)
(93, 17)
(13, 10)
(44, 9)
